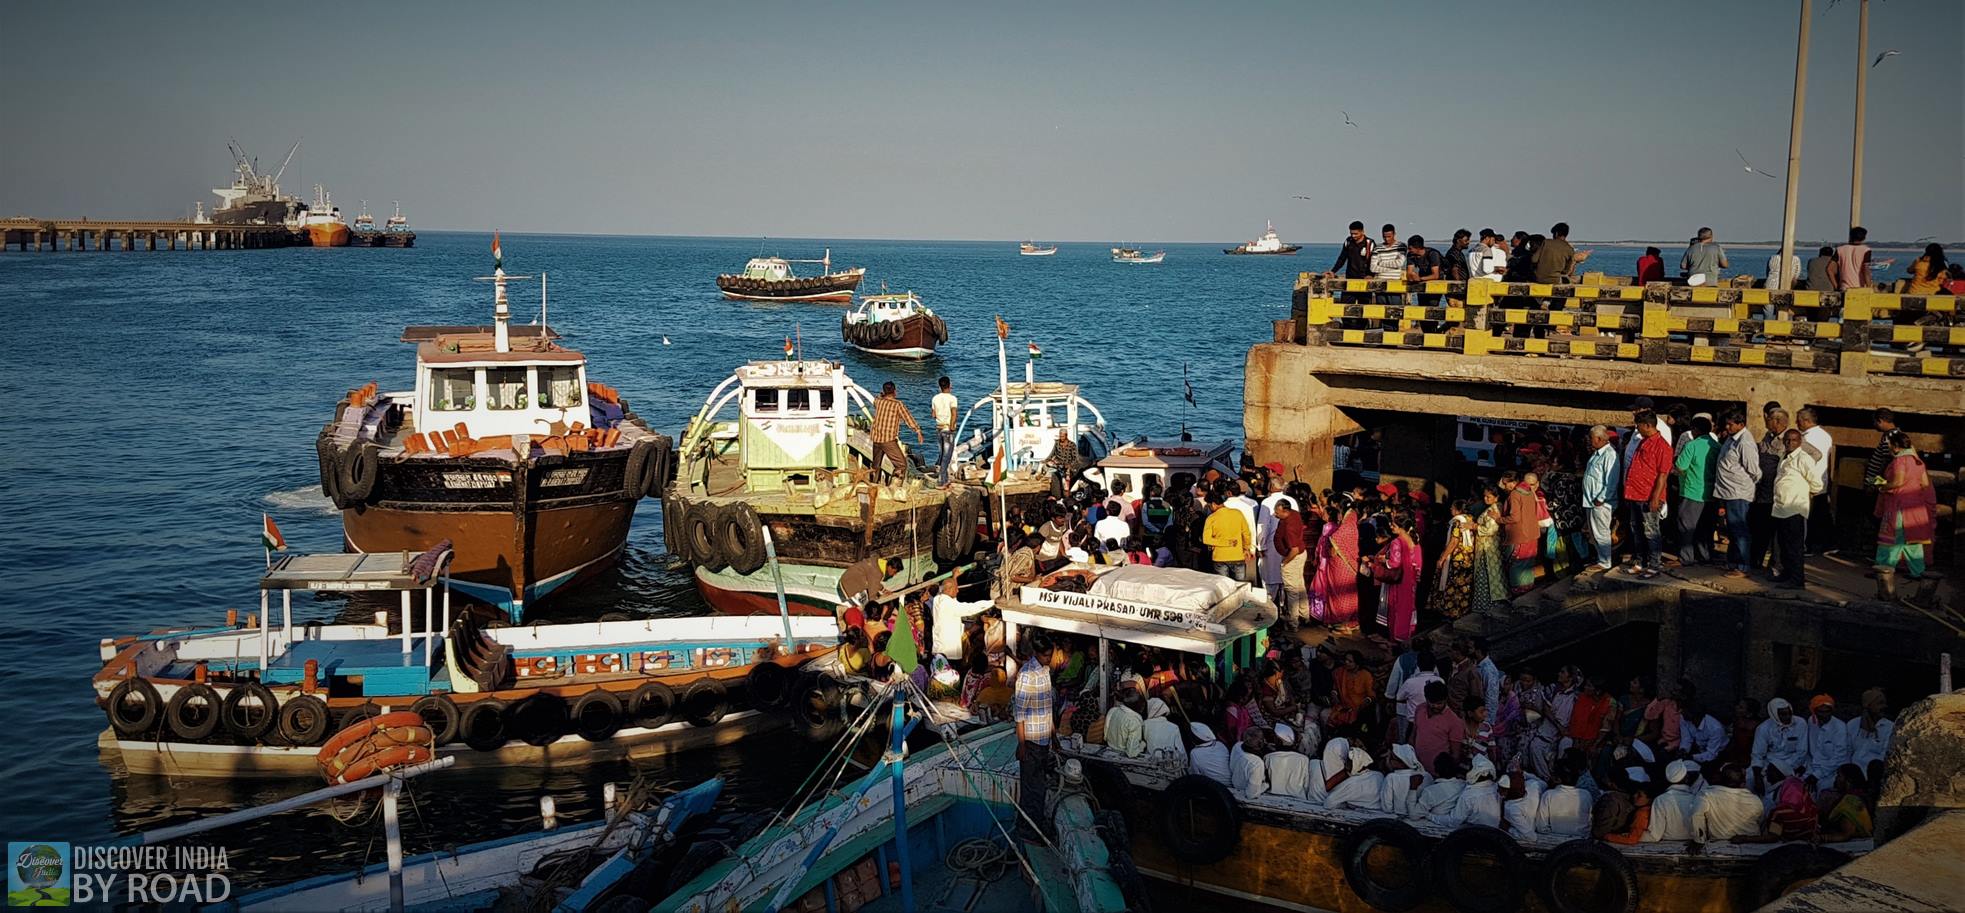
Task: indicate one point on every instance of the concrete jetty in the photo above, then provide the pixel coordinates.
(129, 235)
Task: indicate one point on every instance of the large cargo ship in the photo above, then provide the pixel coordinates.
(255, 198)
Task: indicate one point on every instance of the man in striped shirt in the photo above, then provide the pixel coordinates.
(888, 414)
(1031, 708)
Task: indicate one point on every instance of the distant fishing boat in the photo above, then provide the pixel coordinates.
(364, 232)
(1032, 249)
(1269, 243)
(1134, 255)
(396, 231)
(897, 326)
(772, 279)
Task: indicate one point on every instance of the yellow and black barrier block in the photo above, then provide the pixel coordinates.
(1916, 367)
(1753, 357)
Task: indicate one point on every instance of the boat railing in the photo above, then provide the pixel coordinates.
(1853, 332)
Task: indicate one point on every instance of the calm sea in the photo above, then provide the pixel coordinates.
(158, 403)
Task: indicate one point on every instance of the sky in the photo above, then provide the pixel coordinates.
(1140, 122)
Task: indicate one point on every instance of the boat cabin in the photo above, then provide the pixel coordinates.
(1146, 461)
(1036, 412)
(527, 387)
(382, 666)
(770, 269)
(886, 308)
(792, 421)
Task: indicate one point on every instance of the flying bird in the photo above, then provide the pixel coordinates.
(1347, 119)
(1301, 197)
(1749, 168)
(1879, 58)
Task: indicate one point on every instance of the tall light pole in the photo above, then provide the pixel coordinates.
(1862, 95)
(1782, 280)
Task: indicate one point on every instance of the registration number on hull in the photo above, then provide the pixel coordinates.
(476, 479)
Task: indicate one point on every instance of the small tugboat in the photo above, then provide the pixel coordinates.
(795, 460)
(1052, 432)
(897, 326)
(504, 447)
(260, 699)
(1135, 255)
(1269, 243)
(364, 233)
(1032, 249)
(395, 231)
(322, 222)
(771, 279)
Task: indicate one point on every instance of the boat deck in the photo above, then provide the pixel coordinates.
(997, 887)
(381, 664)
(726, 484)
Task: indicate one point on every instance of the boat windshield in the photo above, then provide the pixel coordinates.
(452, 389)
(559, 387)
(506, 387)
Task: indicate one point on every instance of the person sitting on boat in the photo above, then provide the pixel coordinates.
(1672, 811)
(1727, 810)
(1160, 732)
(1521, 802)
(1404, 780)
(1329, 771)
(1565, 807)
(1125, 728)
(1480, 802)
(1247, 772)
(1780, 746)
(1289, 769)
(1022, 563)
(1208, 757)
(1438, 798)
(1361, 786)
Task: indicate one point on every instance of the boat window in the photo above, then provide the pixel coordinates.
(764, 399)
(453, 389)
(505, 387)
(825, 401)
(798, 400)
(559, 388)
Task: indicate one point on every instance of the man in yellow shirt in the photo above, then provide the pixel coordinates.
(1228, 533)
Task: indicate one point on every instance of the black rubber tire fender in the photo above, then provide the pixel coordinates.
(483, 725)
(815, 702)
(955, 531)
(360, 463)
(675, 527)
(634, 473)
(1789, 866)
(652, 706)
(704, 702)
(236, 712)
(539, 719)
(769, 685)
(305, 721)
(1205, 849)
(1617, 883)
(1450, 878)
(741, 537)
(134, 706)
(347, 718)
(182, 717)
(1356, 853)
(440, 715)
(700, 528)
(597, 715)
(330, 467)
(660, 467)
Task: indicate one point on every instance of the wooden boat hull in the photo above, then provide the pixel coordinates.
(916, 339)
(809, 589)
(833, 287)
(1041, 252)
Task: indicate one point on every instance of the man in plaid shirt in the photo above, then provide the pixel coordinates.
(888, 414)
(1032, 708)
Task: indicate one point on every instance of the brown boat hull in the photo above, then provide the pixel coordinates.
(917, 337)
(555, 548)
(835, 287)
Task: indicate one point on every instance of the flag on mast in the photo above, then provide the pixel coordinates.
(1035, 352)
(788, 347)
(497, 253)
(269, 534)
(1187, 383)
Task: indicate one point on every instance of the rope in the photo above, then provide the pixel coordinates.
(915, 694)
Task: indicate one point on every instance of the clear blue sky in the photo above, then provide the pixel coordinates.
(1140, 121)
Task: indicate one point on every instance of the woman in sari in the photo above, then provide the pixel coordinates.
(1334, 589)
(1454, 592)
(1397, 567)
(1488, 588)
(1907, 509)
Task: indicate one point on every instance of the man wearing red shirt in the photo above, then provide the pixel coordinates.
(1290, 543)
(1644, 493)
(1651, 266)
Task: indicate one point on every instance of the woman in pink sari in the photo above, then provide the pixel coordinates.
(1334, 588)
(1907, 510)
(1397, 568)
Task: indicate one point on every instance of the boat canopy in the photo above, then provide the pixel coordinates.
(1145, 460)
(768, 268)
(342, 572)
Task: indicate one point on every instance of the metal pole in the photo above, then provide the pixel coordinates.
(392, 836)
(286, 611)
(163, 834)
(1944, 673)
(544, 329)
(405, 614)
(894, 752)
(1794, 151)
(777, 582)
(1862, 97)
(265, 649)
(1104, 681)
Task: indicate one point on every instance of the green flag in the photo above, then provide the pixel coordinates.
(900, 644)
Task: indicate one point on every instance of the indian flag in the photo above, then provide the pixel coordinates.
(497, 253)
(269, 534)
(789, 349)
(1035, 352)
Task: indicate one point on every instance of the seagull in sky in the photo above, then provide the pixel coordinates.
(1301, 197)
(1347, 119)
(1749, 168)
(1879, 58)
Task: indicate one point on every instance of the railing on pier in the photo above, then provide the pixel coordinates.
(1851, 332)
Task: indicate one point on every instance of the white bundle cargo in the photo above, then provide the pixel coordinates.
(1172, 587)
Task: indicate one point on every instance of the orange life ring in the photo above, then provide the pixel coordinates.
(359, 755)
(365, 728)
(387, 759)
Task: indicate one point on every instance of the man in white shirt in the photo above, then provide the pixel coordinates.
(1124, 727)
(1774, 270)
(1727, 810)
(1797, 484)
(947, 614)
(1521, 803)
(1248, 776)
(1360, 788)
(1490, 259)
(1403, 784)
(1265, 539)
(944, 406)
(1112, 530)
(1161, 733)
(1828, 741)
(1289, 771)
(1565, 808)
(1671, 812)
(1480, 802)
(1780, 742)
(1701, 736)
(1438, 798)
(1869, 734)
(1821, 519)
(1412, 693)
(1251, 511)
(1208, 757)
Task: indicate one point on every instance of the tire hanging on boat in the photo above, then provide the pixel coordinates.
(652, 706)
(134, 706)
(1195, 792)
(304, 720)
(597, 715)
(192, 712)
(702, 527)
(360, 463)
(440, 715)
(1616, 882)
(769, 685)
(482, 725)
(330, 467)
(955, 531)
(634, 473)
(539, 719)
(741, 534)
(1502, 891)
(815, 702)
(675, 527)
(1403, 837)
(705, 702)
(237, 712)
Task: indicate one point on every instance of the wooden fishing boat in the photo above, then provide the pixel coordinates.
(255, 699)
(885, 841)
(1135, 255)
(792, 457)
(896, 326)
(1033, 249)
(505, 448)
(1268, 244)
(772, 279)
(567, 868)
(1041, 417)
